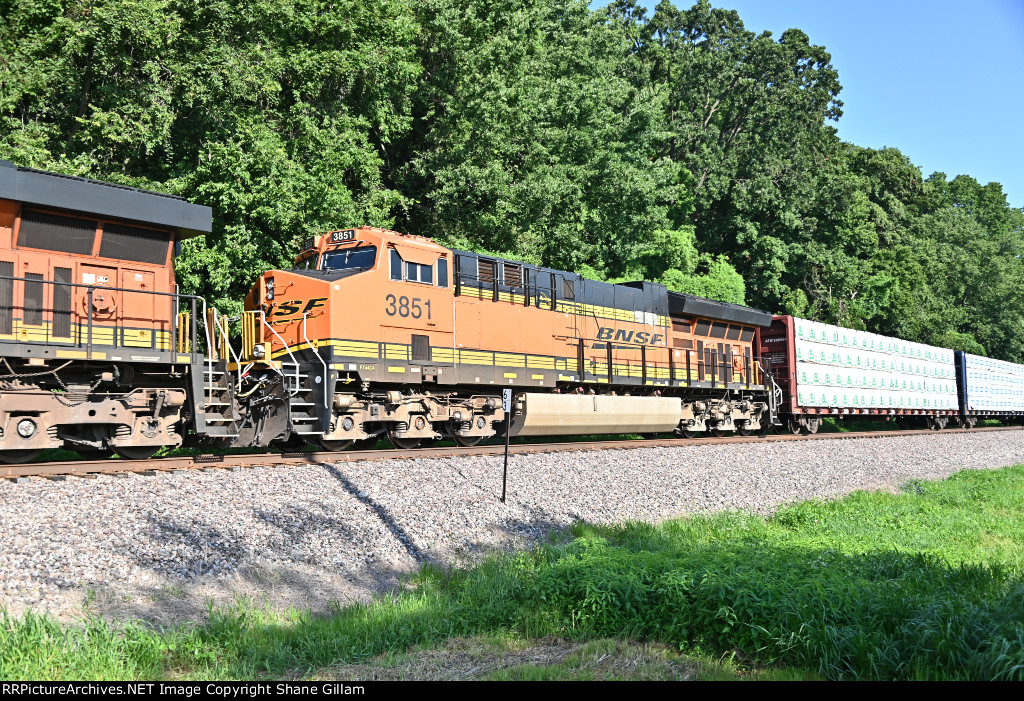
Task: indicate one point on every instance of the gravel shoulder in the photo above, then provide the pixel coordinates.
(313, 536)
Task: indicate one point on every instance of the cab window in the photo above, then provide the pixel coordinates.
(415, 272)
(396, 265)
(412, 272)
(442, 272)
(362, 258)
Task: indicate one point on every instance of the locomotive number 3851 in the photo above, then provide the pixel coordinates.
(404, 307)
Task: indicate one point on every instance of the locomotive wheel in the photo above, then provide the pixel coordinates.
(744, 431)
(685, 433)
(794, 425)
(333, 446)
(468, 441)
(719, 432)
(137, 452)
(403, 443)
(14, 457)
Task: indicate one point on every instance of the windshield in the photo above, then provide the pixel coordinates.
(362, 258)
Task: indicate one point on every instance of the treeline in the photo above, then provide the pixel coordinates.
(678, 147)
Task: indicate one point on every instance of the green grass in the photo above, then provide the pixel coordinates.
(924, 584)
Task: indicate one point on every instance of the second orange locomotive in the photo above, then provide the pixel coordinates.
(380, 333)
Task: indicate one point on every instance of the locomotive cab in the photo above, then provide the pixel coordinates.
(357, 294)
(354, 289)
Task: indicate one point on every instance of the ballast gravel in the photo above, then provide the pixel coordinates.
(314, 536)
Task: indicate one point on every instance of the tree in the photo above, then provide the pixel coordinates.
(745, 115)
(530, 139)
(277, 114)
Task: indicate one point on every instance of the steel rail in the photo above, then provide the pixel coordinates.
(234, 461)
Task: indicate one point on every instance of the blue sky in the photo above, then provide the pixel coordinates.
(942, 81)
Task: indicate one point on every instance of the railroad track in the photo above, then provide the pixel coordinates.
(154, 466)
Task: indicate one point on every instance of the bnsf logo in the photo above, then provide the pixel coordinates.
(299, 306)
(606, 333)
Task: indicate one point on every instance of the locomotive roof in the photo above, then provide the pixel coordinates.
(649, 296)
(46, 189)
(681, 304)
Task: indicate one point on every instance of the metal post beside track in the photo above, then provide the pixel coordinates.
(506, 404)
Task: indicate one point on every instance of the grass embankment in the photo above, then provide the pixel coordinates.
(927, 583)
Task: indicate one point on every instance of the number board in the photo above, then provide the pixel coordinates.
(341, 236)
(309, 243)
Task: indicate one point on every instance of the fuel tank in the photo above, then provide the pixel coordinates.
(565, 414)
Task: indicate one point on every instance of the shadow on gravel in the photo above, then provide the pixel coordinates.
(204, 565)
(254, 587)
(193, 563)
(195, 550)
(539, 525)
(382, 513)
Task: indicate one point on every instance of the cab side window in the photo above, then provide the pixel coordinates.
(442, 272)
(396, 265)
(404, 270)
(414, 272)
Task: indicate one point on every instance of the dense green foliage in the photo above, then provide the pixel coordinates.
(924, 584)
(679, 147)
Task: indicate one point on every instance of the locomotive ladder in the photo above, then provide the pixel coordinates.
(302, 412)
(218, 408)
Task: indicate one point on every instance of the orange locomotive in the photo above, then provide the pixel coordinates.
(98, 352)
(381, 333)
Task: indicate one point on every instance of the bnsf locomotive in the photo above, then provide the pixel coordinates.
(380, 333)
(375, 333)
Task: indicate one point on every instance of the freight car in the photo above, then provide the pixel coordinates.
(830, 371)
(377, 333)
(988, 388)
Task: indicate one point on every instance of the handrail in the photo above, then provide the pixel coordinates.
(231, 351)
(327, 374)
(102, 287)
(776, 393)
(92, 287)
(287, 348)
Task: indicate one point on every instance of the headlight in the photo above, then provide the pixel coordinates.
(258, 351)
(270, 288)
